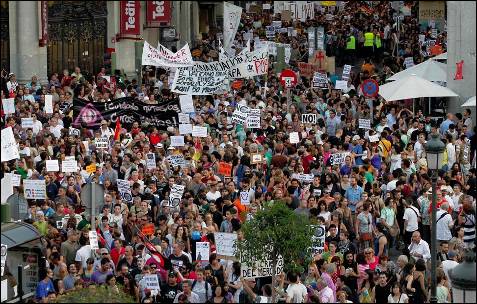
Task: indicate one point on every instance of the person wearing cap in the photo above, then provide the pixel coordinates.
(12, 83)
(171, 288)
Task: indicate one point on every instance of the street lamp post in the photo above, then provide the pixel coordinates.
(434, 150)
(463, 280)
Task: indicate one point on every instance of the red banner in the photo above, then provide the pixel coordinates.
(130, 21)
(158, 13)
(459, 73)
(43, 35)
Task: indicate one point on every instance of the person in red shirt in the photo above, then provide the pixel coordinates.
(155, 137)
(306, 159)
(440, 200)
(117, 251)
(135, 129)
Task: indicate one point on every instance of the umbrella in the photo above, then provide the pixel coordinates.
(413, 86)
(442, 56)
(470, 102)
(430, 70)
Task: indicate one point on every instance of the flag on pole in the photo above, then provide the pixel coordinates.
(117, 130)
(163, 262)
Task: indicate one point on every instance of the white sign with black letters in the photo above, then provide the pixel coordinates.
(309, 118)
(365, 123)
(93, 240)
(150, 161)
(124, 190)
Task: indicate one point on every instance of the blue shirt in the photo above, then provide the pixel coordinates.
(353, 195)
(445, 126)
(358, 160)
(42, 289)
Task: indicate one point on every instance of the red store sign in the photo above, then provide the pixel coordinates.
(158, 13)
(130, 21)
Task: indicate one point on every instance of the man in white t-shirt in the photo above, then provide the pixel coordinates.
(296, 291)
(411, 221)
(450, 263)
(212, 194)
(444, 223)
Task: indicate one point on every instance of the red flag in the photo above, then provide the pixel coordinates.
(162, 260)
(117, 130)
(458, 73)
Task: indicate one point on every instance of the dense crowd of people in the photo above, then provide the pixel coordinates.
(376, 206)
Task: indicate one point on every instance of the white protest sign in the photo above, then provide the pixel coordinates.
(200, 79)
(177, 141)
(69, 166)
(155, 57)
(294, 138)
(9, 145)
(346, 72)
(408, 62)
(199, 131)
(318, 239)
(320, 80)
(176, 194)
(7, 188)
(185, 128)
(52, 165)
(69, 158)
(49, 104)
(176, 160)
(256, 158)
(8, 105)
(304, 10)
(373, 138)
(341, 85)
(184, 118)
(365, 123)
(74, 132)
(245, 197)
(309, 118)
(258, 269)
(232, 15)
(150, 161)
(101, 143)
(225, 243)
(152, 282)
(124, 190)
(304, 178)
(253, 119)
(202, 251)
(27, 123)
(186, 103)
(34, 189)
(93, 240)
(3, 252)
(338, 158)
(239, 117)
(16, 179)
(266, 6)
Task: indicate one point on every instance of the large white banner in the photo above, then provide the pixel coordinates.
(225, 243)
(232, 14)
(165, 57)
(9, 145)
(209, 78)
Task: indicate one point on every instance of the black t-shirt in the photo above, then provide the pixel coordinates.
(168, 293)
(180, 261)
(382, 293)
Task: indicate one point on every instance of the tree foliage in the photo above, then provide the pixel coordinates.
(277, 228)
(98, 294)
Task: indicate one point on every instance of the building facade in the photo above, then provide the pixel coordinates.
(461, 37)
(87, 34)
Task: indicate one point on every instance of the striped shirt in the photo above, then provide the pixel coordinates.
(469, 228)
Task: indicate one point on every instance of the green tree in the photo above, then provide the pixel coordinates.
(97, 294)
(276, 230)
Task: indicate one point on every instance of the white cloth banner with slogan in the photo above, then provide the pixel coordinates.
(259, 269)
(9, 145)
(232, 15)
(155, 57)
